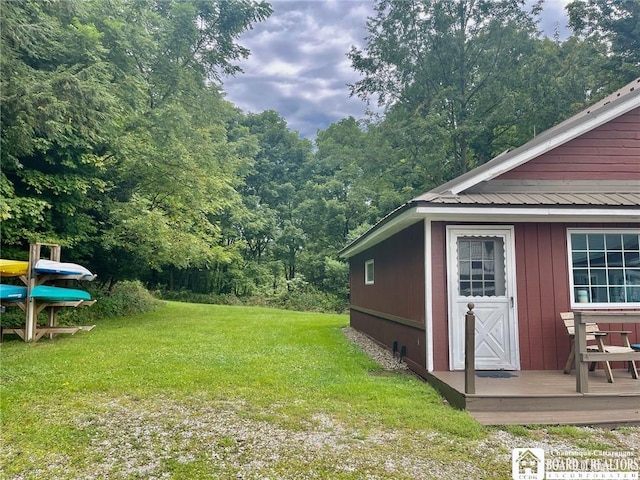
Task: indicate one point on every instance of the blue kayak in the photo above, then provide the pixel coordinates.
(12, 293)
(59, 294)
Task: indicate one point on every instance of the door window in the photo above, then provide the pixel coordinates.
(481, 270)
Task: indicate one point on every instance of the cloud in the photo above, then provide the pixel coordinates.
(298, 65)
(554, 18)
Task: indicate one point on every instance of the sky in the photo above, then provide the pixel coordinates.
(298, 64)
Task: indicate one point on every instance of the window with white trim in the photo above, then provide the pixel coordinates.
(604, 268)
(368, 272)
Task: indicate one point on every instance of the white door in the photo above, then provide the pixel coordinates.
(481, 270)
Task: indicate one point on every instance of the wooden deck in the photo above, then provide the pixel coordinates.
(544, 397)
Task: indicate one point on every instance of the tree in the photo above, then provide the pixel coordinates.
(175, 155)
(115, 136)
(59, 113)
(614, 24)
(334, 199)
(443, 64)
(272, 188)
(557, 79)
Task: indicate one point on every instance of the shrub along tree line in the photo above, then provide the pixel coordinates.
(117, 141)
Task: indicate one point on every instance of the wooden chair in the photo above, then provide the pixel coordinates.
(595, 334)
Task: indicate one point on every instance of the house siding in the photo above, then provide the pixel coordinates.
(608, 152)
(393, 308)
(386, 332)
(440, 302)
(542, 276)
(543, 292)
(399, 276)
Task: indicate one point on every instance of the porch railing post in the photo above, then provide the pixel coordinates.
(470, 350)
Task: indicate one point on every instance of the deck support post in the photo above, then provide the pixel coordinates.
(582, 368)
(470, 350)
(584, 357)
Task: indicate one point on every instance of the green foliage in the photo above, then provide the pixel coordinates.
(309, 300)
(614, 25)
(272, 193)
(13, 317)
(115, 140)
(336, 277)
(188, 296)
(297, 295)
(178, 168)
(59, 111)
(436, 62)
(125, 298)
(455, 97)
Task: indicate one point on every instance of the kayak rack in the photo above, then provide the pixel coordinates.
(33, 306)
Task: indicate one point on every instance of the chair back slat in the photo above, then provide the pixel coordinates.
(567, 318)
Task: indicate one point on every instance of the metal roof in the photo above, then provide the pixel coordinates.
(560, 199)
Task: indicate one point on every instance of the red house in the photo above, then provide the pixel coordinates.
(549, 227)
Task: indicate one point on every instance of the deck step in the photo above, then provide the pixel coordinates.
(544, 397)
(560, 417)
(552, 403)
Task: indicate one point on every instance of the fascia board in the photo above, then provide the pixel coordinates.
(382, 231)
(544, 214)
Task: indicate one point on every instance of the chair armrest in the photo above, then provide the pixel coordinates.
(606, 332)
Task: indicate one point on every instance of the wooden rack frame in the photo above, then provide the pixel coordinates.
(32, 306)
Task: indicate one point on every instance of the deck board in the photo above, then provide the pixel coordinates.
(545, 397)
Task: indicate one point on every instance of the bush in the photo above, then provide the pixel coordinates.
(298, 295)
(192, 297)
(125, 298)
(13, 317)
(309, 301)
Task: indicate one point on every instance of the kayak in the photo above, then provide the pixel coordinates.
(12, 293)
(59, 294)
(52, 267)
(13, 268)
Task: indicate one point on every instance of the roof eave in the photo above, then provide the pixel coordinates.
(395, 221)
(416, 211)
(528, 213)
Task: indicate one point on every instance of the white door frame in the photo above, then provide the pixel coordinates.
(507, 233)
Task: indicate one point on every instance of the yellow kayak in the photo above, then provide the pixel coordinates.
(13, 268)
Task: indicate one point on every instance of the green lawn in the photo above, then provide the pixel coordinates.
(202, 391)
